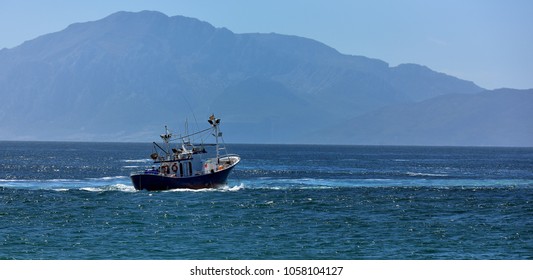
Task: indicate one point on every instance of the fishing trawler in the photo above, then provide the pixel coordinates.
(188, 166)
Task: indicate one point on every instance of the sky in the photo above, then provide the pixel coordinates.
(489, 42)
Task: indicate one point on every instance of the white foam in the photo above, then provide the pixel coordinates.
(108, 178)
(115, 187)
(415, 174)
(224, 188)
(234, 188)
(136, 160)
(92, 189)
(122, 188)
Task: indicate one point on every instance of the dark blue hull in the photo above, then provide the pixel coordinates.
(155, 182)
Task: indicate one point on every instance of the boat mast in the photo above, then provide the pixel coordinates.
(166, 138)
(214, 123)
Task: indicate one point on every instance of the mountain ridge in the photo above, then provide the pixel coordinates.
(504, 111)
(123, 77)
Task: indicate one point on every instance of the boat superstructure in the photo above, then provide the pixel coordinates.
(187, 165)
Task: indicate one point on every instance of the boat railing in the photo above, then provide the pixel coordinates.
(232, 158)
(229, 155)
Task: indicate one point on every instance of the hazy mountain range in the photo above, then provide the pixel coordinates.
(124, 77)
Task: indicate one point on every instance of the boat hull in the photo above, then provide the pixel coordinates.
(157, 182)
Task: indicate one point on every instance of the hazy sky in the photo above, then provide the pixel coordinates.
(489, 42)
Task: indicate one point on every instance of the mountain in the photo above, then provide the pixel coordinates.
(124, 77)
(490, 118)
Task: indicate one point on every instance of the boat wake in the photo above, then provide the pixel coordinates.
(114, 188)
(123, 184)
(104, 184)
(418, 181)
(224, 188)
(91, 184)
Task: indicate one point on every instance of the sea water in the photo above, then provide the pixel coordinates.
(76, 201)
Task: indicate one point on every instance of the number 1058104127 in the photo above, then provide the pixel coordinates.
(312, 270)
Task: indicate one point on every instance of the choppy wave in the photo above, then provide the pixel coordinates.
(58, 204)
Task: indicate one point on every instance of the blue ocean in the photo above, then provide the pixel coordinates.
(75, 201)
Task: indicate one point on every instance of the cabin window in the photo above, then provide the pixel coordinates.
(190, 168)
(181, 169)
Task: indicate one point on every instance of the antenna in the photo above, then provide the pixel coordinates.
(187, 139)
